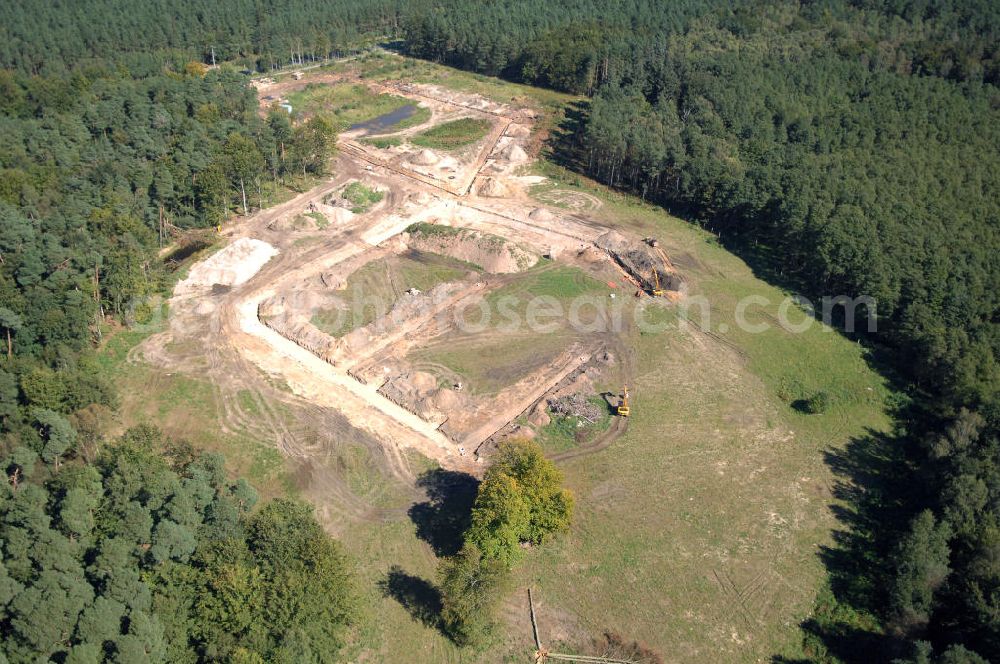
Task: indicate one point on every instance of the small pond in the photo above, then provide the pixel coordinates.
(387, 121)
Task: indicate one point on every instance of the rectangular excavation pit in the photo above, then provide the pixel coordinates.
(374, 289)
(474, 379)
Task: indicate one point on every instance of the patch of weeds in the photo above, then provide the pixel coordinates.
(453, 135)
(816, 404)
(247, 403)
(362, 198)
(383, 143)
(429, 230)
(320, 219)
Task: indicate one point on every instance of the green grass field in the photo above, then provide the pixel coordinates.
(452, 135)
(508, 348)
(487, 366)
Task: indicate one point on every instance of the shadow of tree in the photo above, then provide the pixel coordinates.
(875, 483)
(564, 142)
(419, 597)
(444, 517)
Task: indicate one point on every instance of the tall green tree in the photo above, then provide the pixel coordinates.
(244, 163)
(472, 587)
(921, 568)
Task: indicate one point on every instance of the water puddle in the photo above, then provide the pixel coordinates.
(384, 122)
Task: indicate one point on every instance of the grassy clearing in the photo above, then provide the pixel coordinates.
(362, 198)
(187, 408)
(372, 291)
(453, 135)
(720, 486)
(698, 531)
(511, 348)
(384, 142)
(349, 104)
(549, 280)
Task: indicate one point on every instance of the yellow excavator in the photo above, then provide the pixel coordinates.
(623, 408)
(657, 291)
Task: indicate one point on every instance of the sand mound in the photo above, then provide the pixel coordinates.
(492, 188)
(231, 266)
(520, 432)
(446, 400)
(515, 152)
(425, 158)
(541, 214)
(492, 253)
(539, 417)
(412, 392)
(591, 254)
(294, 222)
(423, 381)
(518, 131)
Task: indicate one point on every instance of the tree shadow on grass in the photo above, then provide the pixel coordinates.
(564, 141)
(444, 517)
(419, 597)
(874, 486)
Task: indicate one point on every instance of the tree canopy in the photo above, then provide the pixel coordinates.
(136, 559)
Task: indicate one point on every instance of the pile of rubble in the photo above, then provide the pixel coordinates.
(576, 405)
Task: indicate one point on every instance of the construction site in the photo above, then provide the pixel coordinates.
(379, 293)
(366, 341)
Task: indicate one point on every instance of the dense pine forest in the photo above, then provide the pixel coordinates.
(51, 37)
(841, 147)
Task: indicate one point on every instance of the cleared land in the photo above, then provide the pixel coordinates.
(698, 526)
